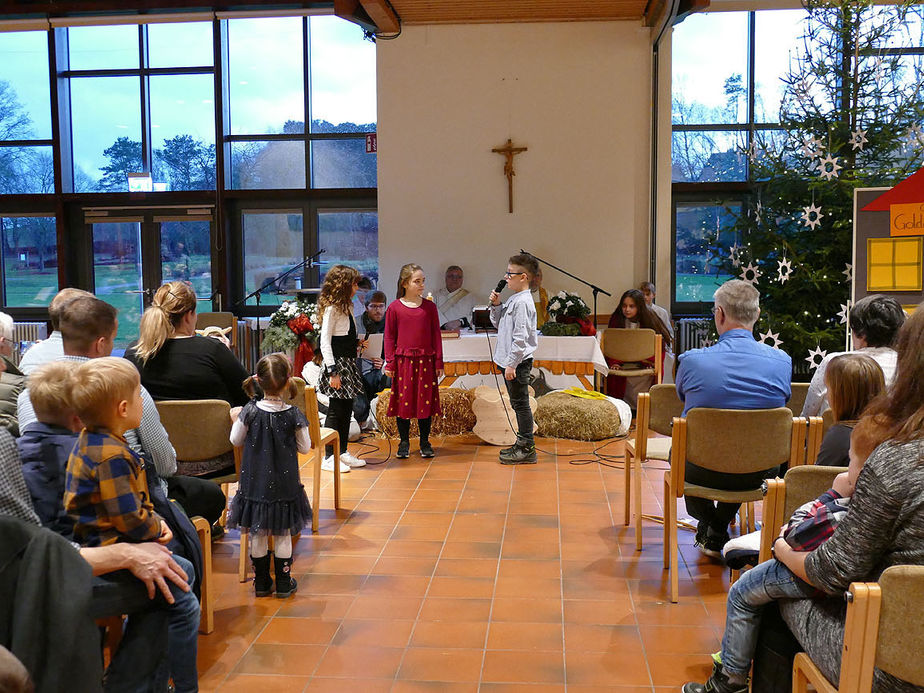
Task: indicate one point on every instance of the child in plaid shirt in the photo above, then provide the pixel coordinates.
(106, 490)
(810, 525)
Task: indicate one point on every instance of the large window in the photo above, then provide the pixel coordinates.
(285, 72)
(30, 260)
(136, 111)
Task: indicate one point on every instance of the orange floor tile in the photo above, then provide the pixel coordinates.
(459, 574)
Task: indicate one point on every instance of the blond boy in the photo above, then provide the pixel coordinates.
(106, 490)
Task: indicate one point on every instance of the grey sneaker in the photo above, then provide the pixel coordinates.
(519, 455)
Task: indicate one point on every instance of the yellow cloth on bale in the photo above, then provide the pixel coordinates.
(584, 394)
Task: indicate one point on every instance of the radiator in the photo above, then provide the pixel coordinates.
(24, 333)
(693, 333)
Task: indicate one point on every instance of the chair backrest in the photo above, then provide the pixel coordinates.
(198, 429)
(797, 398)
(664, 405)
(804, 484)
(222, 320)
(901, 639)
(314, 419)
(627, 345)
(299, 399)
(738, 441)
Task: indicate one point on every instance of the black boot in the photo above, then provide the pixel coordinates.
(426, 450)
(262, 582)
(404, 450)
(521, 454)
(286, 585)
(508, 451)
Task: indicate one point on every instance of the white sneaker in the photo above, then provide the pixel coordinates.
(328, 465)
(351, 461)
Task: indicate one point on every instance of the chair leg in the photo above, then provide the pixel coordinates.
(628, 485)
(242, 562)
(638, 503)
(336, 474)
(668, 520)
(316, 488)
(225, 489)
(752, 517)
(674, 554)
(207, 600)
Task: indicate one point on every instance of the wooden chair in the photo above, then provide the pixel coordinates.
(222, 320)
(797, 398)
(632, 346)
(881, 632)
(200, 429)
(732, 441)
(299, 399)
(656, 409)
(206, 588)
(800, 485)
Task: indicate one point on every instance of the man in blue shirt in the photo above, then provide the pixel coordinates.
(738, 372)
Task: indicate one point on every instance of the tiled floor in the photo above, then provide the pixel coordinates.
(459, 574)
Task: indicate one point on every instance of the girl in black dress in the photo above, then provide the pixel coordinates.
(270, 499)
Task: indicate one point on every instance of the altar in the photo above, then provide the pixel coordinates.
(470, 354)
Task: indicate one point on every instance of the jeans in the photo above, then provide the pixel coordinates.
(763, 584)
(183, 633)
(518, 389)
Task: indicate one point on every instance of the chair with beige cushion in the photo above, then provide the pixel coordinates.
(656, 409)
(632, 347)
(731, 441)
(223, 320)
(798, 393)
(883, 631)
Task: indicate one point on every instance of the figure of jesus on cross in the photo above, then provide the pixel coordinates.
(509, 151)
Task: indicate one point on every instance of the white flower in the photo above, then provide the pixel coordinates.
(561, 294)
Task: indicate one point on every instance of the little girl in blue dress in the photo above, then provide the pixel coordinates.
(270, 499)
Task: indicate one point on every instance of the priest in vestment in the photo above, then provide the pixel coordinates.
(454, 303)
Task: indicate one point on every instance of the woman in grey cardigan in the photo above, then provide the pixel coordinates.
(885, 524)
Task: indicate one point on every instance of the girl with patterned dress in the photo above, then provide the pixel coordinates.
(413, 359)
(270, 499)
(340, 380)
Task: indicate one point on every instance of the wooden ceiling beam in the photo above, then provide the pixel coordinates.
(380, 12)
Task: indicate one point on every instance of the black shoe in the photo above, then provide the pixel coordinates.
(506, 452)
(521, 455)
(262, 582)
(717, 683)
(217, 531)
(286, 585)
(404, 450)
(426, 450)
(710, 544)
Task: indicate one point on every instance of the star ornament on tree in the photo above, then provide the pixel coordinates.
(769, 335)
(734, 254)
(858, 139)
(816, 353)
(828, 167)
(784, 271)
(812, 147)
(811, 216)
(848, 273)
(750, 274)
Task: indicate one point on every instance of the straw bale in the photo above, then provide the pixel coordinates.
(457, 416)
(559, 415)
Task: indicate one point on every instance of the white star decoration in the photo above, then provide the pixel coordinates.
(848, 273)
(753, 271)
(858, 139)
(784, 271)
(770, 334)
(751, 151)
(812, 147)
(828, 167)
(734, 254)
(842, 314)
(808, 219)
(816, 352)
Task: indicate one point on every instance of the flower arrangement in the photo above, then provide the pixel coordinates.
(293, 328)
(570, 308)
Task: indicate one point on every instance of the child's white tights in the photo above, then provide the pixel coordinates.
(282, 545)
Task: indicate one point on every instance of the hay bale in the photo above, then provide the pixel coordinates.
(457, 416)
(564, 416)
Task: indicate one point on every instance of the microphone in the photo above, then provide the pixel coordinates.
(500, 286)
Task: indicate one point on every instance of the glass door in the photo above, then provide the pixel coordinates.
(133, 256)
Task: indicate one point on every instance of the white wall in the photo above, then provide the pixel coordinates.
(576, 94)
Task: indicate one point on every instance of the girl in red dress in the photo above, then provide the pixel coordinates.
(413, 359)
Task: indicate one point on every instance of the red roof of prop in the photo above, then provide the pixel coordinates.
(909, 190)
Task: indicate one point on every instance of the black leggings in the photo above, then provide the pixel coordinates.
(339, 412)
(404, 428)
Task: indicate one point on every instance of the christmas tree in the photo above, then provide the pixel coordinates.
(850, 118)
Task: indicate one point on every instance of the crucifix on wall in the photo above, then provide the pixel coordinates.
(509, 151)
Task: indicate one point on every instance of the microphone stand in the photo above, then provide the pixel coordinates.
(307, 262)
(596, 289)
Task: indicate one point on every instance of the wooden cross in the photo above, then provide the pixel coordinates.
(509, 151)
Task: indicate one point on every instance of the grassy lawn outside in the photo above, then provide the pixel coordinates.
(699, 287)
